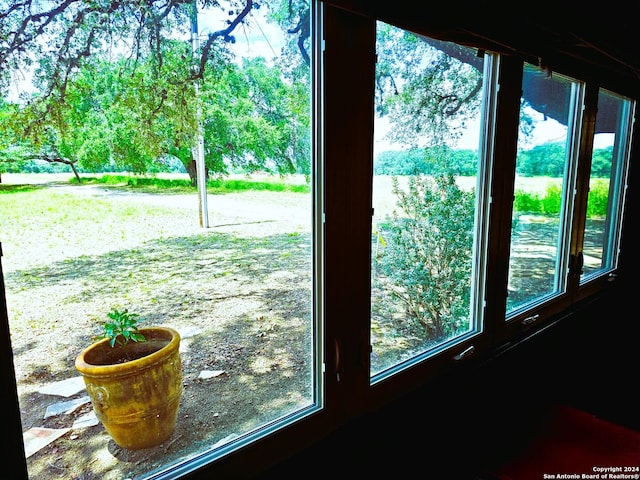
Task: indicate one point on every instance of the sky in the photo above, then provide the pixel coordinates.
(255, 37)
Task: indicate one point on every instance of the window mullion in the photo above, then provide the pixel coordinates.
(349, 61)
(504, 160)
(13, 446)
(582, 186)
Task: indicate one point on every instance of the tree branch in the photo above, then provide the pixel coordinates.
(62, 38)
(225, 34)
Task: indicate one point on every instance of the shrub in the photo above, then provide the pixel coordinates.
(527, 202)
(552, 200)
(425, 259)
(598, 198)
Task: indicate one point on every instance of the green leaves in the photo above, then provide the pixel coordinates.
(127, 97)
(426, 261)
(122, 328)
(429, 89)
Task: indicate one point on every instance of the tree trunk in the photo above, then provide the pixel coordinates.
(192, 170)
(193, 173)
(75, 172)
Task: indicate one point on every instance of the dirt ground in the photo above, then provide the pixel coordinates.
(239, 292)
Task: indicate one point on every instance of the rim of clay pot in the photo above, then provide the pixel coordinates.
(146, 361)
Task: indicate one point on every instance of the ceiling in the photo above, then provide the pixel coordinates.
(608, 47)
(600, 42)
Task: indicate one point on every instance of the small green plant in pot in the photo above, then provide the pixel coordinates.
(122, 327)
(133, 376)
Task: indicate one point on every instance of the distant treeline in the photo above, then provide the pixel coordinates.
(546, 160)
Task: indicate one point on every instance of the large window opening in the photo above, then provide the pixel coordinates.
(418, 193)
(122, 232)
(429, 196)
(607, 181)
(544, 187)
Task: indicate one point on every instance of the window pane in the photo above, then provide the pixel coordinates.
(426, 222)
(606, 182)
(545, 168)
(239, 292)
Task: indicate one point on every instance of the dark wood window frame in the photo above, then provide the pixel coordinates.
(348, 67)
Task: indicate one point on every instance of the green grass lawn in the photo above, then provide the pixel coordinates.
(29, 213)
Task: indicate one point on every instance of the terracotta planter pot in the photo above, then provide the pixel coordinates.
(135, 388)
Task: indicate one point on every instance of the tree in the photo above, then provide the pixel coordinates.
(428, 93)
(441, 104)
(152, 111)
(547, 159)
(255, 120)
(601, 162)
(424, 264)
(112, 115)
(8, 144)
(68, 48)
(49, 143)
(65, 35)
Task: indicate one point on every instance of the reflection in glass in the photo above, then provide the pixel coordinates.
(606, 180)
(544, 174)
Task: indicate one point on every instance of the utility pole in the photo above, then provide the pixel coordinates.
(198, 150)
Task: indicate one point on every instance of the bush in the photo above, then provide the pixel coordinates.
(526, 202)
(425, 259)
(531, 203)
(552, 200)
(598, 198)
